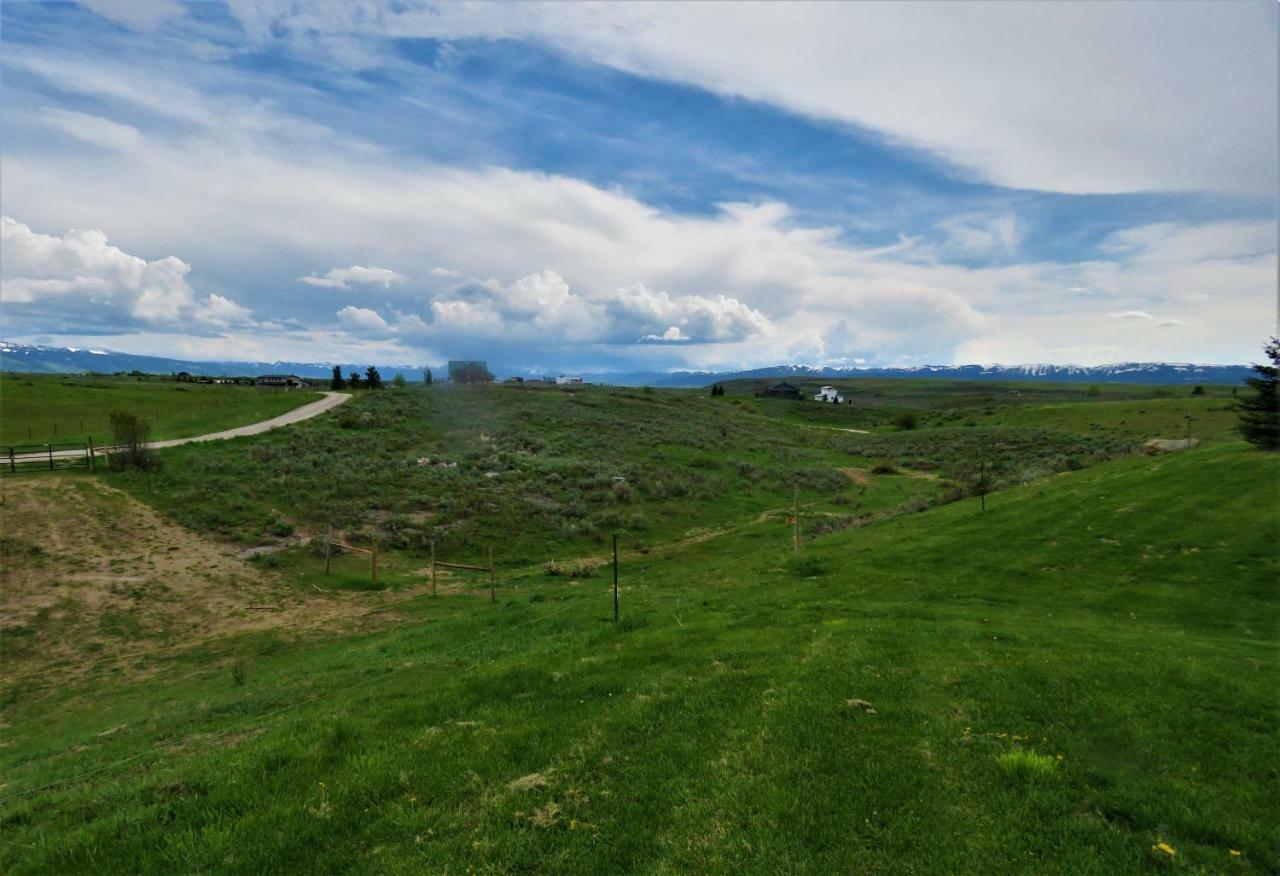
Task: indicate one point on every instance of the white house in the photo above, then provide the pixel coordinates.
(829, 394)
(564, 379)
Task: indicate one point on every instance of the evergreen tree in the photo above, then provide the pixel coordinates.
(398, 381)
(426, 376)
(372, 379)
(1259, 413)
(337, 382)
(354, 380)
(1198, 390)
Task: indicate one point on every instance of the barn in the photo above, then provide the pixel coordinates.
(783, 390)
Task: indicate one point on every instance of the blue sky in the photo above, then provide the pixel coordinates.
(633, 186)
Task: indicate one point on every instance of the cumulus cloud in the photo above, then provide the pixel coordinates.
(672, 334)
(361, 319)
(343, 278)
(81, 274)
(445, 272)
(543, 305)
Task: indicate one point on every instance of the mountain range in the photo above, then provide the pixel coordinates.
(70, 360)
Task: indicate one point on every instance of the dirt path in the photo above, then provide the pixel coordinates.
(297, 415)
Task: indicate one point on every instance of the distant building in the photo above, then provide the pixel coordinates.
(829, 394)
(564, 380)
(783, 390)
(469, 371)
(280, 381)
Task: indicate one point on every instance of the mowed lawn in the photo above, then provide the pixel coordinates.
(1080, 680)
(38, 409)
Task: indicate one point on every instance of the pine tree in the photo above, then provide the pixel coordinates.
(337, 382)
(372, 379)
(354, 380)
(1259, 413)
(426, 376)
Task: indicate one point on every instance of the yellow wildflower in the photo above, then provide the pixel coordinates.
(1235, 853)
(1165, 848)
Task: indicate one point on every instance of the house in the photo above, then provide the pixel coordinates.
(469, 371)
(280, 381)
(829, 394)
(564, 380)
(783, 390)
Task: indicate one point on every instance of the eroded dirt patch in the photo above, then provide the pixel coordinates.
(88, 572)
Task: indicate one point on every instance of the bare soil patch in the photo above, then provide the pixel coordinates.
(88, 573)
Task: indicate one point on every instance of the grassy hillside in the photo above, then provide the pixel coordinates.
(539, 474)
(1080, 680)
(39, 409)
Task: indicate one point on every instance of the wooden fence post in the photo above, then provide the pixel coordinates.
(328, 548)
(50, 448)
(433, 569)
(493, 591)
(615, 577)
(93, 463)
(13, 466)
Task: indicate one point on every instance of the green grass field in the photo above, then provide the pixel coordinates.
(539, 474)
(37, 409)
(1062, 684)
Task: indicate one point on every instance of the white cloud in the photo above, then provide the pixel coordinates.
(81, 275)
(981, 235)
(445, 272)
(141, 15)
(672, 333)
(1070, 97)
(1132, 314)
(749, 284)
(342, 278)
(361, 319)
(94, 129)
(543, 305)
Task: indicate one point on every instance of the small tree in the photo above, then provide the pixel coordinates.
(905, 420)
(354, 380)
(337, 382)
(1094, 391)
(1259, 412)
(398, 381)
(129, 436)
(372, 379)
(426, 376)
(1198, 390)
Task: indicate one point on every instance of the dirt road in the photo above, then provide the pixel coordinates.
(297, 415)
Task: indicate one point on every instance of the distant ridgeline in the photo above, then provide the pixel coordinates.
(68, 360)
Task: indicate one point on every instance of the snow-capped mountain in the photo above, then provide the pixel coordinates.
(36, 358)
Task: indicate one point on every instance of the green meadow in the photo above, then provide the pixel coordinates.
(39, 409)
(1079, 679)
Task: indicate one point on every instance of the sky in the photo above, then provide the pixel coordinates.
(632, 186)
